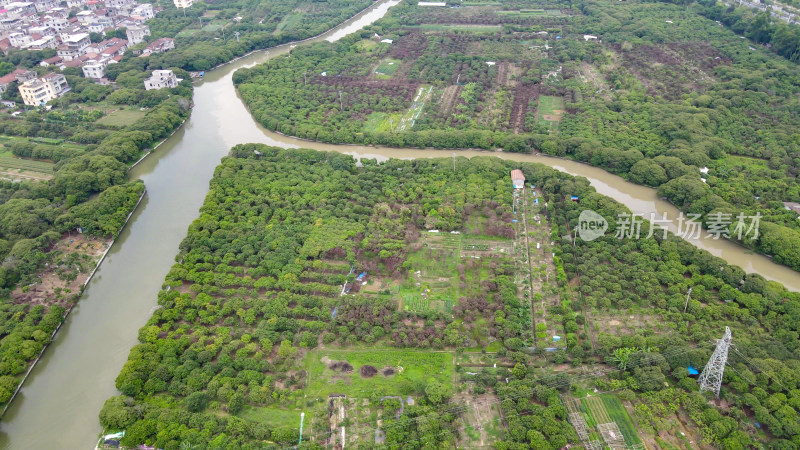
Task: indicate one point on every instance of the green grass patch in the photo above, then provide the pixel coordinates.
(620, 415)
(289, 21)
(366, 44)
(412, 371)
(272, 417)
(550, 111)
(26, 164)
(381, 122)
(212, 27)
(388, 66)
(121, 118)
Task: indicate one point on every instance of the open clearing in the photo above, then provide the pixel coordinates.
(121, 118)
(353, 375)
(73, 259)
(18, 168)
(605, 409)
(550, 110)
(388, 67)
(272, 417)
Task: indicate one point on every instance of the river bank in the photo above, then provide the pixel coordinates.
(67, 388)
(72, 302)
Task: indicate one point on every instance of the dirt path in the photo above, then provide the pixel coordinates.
(527, 244)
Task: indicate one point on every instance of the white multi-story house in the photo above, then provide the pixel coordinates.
(19, 40)
(45, 5)
(43, 43)
(86, 17)
(41, 90)
(137, 33)
(16, 10)
(161, 79)
(144, 10)
(73, 4)
(56, 23)
(95, 68)
(42, 30)
(182, 3)
(73, 46)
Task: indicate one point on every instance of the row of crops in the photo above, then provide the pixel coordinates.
(26, 164)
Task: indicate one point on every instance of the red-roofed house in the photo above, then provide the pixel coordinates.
(160, 45)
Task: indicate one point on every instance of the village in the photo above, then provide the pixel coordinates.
(44, 24)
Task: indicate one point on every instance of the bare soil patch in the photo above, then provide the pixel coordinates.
(368, 371)
(340, 366)
(388, 371)
(57, 285)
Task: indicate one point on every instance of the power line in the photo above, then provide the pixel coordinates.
(711, 378)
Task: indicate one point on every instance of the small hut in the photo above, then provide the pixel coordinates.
(517, 179)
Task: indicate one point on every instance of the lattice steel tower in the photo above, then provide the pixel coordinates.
(711, 378)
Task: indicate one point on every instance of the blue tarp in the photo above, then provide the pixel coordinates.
(514, 220)
(692, 371)
(361, 275)
(333, 314)
(536, 201)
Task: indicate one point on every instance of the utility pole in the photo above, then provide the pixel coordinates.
(711, 378)
(687, 299)
(236, 33)
(305, 79)
(341, 104)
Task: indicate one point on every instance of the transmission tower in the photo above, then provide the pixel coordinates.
(711, 378)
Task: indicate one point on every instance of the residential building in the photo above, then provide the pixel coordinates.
(41, 90)
(18, 75)
(74, 4)
(16, 10)
(95, 4)
(42, 30)
(19, 40)
(182, 3)
(109, 47)
(73, 46)
(45, 5)
(144, 10)
(94, 68)
(160, 45)
(86, 17)
(161, 79)
(51, 61)
(43, 43)
(137, 33)
(8, 24)
(56, 23)
(517, 179)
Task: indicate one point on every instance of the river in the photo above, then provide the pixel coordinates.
(58, 406)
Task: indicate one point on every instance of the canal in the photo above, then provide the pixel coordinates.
(58, 406)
